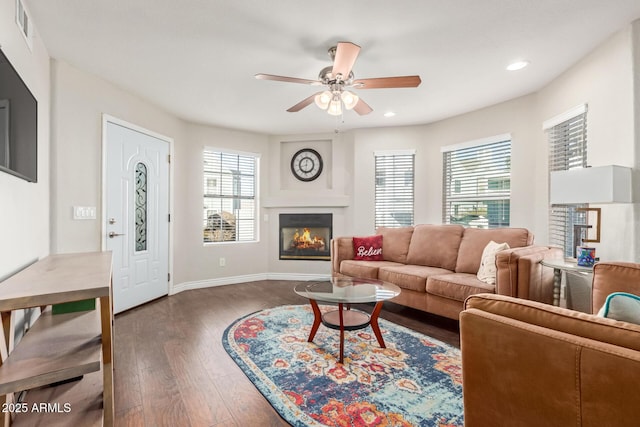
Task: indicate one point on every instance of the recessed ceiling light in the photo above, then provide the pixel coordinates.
(518, 65)
(389, 114)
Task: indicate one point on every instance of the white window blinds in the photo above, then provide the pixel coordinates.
(229, 213)
(394, 189)
(477, 185)
(567, 150)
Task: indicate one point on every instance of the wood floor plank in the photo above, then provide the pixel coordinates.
(247, 405)
(203, 402)
(172, 370)
(125, 362)
(130, 417)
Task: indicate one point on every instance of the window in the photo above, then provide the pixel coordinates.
(141, 207)
(477, 183)
(230, 208)
(394, 188)
(567, 135)
(24, 22)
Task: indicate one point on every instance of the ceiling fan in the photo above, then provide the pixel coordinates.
(337, 78)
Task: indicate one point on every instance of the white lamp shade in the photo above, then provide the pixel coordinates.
(350, 99)
(603, 184)
(322, 99)
(335, 107)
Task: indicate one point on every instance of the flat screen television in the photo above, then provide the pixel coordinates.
(18, 124)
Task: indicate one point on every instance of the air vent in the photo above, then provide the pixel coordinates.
(24, 22)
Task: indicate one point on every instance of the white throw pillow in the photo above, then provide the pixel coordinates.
(621, 306)
(487, 270)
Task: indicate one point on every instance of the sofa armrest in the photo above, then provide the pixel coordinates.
(520, 274)
(341, 249)
(609, 277)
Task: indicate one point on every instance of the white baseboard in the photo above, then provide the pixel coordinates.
(232, 280)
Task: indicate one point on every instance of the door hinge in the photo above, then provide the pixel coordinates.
(168, 158)
(168, 277)
(169, 217)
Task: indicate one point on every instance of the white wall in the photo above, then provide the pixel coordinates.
(24, 206)
(604, 80)
(329, 193)
(194, 261)
(79, 100)
(635, 45)
(513, 117)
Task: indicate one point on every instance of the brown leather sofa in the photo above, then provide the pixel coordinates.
(530, 364)
(436, 265)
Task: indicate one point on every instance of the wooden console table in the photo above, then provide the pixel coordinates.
(59, 347)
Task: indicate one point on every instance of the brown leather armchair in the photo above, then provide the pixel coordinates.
(527, 363)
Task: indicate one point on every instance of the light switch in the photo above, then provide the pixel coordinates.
(84, 212)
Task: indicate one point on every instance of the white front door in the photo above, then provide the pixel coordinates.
(137, 215)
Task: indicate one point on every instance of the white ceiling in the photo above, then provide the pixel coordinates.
(197, 58)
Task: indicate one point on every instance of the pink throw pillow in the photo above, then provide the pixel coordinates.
(368, 248)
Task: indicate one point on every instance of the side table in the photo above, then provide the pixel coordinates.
(560, 265)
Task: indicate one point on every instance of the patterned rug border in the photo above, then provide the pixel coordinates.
(279, 400)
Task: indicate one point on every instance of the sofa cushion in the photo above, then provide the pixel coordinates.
(457, 286)
(474, 241)
(435, 245)
(368, 248)
(364, 269)
(395, 243)
(409, 276)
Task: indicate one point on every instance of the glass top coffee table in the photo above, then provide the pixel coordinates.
(346, 291)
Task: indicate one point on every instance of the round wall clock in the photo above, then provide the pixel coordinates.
(306, 164)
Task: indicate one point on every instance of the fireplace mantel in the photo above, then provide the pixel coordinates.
(306, 201)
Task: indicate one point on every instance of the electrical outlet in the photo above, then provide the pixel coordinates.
(223, 262)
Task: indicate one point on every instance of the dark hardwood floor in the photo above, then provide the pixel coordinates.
(171, 368)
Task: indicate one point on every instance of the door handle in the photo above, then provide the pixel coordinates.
(112, 234)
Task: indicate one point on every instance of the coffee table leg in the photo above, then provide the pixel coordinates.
(317, 319)
(374, 324)
(341, 333)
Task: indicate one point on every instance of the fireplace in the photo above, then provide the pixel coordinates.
(305, 236)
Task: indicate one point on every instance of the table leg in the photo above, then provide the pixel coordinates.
(317, 319)
(106, 321)
(341, 333)
(374, 324)
(557, 284)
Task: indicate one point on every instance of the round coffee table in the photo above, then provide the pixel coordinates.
(346, 291)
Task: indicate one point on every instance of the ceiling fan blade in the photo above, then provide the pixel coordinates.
(387, 82)
(362, 108)
(346, 54)
(304, 103)
(287, 79)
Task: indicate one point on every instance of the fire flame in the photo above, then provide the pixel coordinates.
(305, 241)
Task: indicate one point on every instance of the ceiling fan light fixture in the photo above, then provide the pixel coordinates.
(335, 107)
(349, 99)
(323, 99)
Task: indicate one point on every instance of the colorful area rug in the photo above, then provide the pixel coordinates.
(415, 381)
